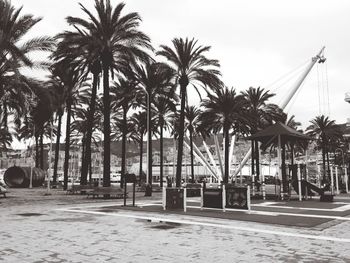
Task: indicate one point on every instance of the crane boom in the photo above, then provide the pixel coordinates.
(318, 58)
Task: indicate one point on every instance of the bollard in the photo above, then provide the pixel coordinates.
(299, 181)
(202, 197)
(253, 185)
(31, 178)
(164, 197)
(263, 187)
(248, 197)
(185, 199)
(336, 180)
(332, 181)
(346, 180)
(223, 198)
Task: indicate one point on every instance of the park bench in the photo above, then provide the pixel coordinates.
(106, 192)
(78, 189)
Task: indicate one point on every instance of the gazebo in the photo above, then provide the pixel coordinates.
(280, 134)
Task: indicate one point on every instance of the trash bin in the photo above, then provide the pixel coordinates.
(212, 198)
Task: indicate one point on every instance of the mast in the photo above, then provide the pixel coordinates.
(318, 58)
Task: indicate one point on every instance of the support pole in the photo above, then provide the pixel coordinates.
(299, 181)
(164, 197)
(219, 155)
(223, 198)
(211, 158)
(253, 185)
(263, 186)
(346, 179)
(248, 197)
(318, 175)
(202, 197)
(336, 180)
(185, 199)
(332, 181)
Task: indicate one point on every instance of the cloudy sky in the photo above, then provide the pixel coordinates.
(256, 41)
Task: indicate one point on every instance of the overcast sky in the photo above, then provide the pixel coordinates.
(256, 41)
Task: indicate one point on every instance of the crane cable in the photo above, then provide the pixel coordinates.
(329, 109)
(319, 92)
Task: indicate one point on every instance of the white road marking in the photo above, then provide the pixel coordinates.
(296, 208)
(342, 208)
(193, 222)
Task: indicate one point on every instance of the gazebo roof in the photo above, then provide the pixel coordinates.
(271, 133)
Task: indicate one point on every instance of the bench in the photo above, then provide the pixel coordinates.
(78, 189)
(106, 192)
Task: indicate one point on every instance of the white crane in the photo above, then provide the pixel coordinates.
(318, 58)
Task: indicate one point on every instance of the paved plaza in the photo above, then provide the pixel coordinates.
(73, 228)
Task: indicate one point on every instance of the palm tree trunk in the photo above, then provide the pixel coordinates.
(149, 133)
(141, 155)
(161, 154)
(328, 170)
(87, 156)
(37, 153)
(106, 129)
(227, 168)
(42, 149)
(67, 145)
(57, 148)
(324, 162)
(183, 85)
(191, 153)
(123, 146)
(257, 160)
(252, 158)
(284, 175)
(83, 153)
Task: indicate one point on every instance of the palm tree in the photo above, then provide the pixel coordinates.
(165, 105)
(191, 67)
(261, 114)
(153, 78)
(15, 54)
(68, 74)
(140, 125)
(225, 111)
(57, 93)
(324, 130)
(123, 96)
(81, 46)
(118, 42)
(192, 115)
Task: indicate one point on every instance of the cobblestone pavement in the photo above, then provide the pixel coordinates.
(38, 228)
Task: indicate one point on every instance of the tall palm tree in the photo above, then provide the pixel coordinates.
(261, 115)
(140, 125)
(81, 46)
(191, 67)
(192, 115)
(165, 105)
(66, 71)
(224, 112)
(123, 96)
(153, 78)
(118, 42)
(324, 131)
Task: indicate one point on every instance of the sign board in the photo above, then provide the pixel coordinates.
(237, 197)
(174, 198)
